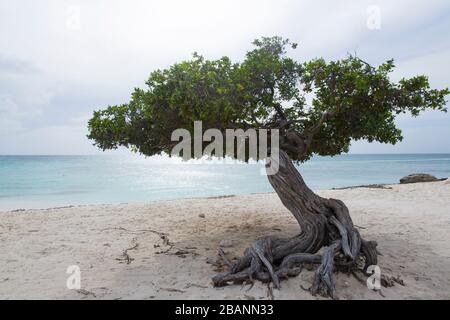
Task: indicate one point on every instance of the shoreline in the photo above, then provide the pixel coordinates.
(68, 206)
(122, 255)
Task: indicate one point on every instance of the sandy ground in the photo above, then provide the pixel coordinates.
(411, 224)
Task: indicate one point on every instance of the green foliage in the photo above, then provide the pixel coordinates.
(364, 102)
(267, 90)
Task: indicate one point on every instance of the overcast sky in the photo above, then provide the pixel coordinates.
(59, 60)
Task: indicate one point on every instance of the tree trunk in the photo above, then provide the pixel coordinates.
(324, 223)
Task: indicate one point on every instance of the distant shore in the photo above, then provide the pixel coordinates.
(168, 249)
(68, 206)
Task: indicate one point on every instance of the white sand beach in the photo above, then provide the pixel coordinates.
(411, 224)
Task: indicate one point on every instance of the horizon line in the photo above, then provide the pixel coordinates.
(131, 153)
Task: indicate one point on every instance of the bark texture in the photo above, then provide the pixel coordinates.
(324, 223)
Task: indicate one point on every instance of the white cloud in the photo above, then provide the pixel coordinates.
(9, 117)
(49, 140)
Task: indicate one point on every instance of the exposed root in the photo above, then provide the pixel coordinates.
(258, 264)
(323, 279)
(224, 257)
(369, 251)
(262, 250)
(270, 292)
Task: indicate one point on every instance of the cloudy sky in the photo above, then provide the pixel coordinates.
(59, 60)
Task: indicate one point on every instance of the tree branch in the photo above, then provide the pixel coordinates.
(300, 143)
(311, 132)
(279, 111)
(277, 106)
(314, 129)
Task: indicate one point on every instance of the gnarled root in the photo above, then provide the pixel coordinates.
(258, 263)
(323, 279)
(261, 262)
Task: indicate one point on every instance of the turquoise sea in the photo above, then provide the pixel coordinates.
(49, 181)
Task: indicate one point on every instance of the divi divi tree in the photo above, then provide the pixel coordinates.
(319, 107)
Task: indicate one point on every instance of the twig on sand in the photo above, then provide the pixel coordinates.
(369, 186)
(86, 292)
(172, 290)
(189, 285)
(180, 251)
(165, 242)
(161, 234)
(390, 281)
(125, 254)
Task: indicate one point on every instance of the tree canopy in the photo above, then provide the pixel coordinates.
(319, 106)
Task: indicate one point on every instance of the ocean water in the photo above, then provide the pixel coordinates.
(49, 181)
